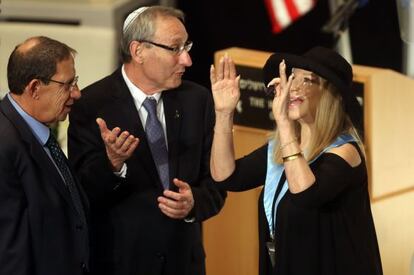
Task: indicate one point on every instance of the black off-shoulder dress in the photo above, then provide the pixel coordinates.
(327, 229)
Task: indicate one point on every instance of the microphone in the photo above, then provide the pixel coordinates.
(339, 19)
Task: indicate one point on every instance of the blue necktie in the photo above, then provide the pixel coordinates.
(156, 141)
(61, 163)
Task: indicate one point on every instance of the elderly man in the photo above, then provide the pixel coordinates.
(43, 209)
(148, 199)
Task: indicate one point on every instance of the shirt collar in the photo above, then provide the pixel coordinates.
(40, 130)
(138, 95)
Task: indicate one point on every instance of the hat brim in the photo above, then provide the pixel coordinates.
(352, 106)
(271, 69)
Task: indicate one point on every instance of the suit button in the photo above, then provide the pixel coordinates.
(79, 226)
(83, 266)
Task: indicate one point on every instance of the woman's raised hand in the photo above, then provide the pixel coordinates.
(225, 85)
(282, 85)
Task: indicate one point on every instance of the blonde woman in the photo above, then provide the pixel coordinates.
(315, 215)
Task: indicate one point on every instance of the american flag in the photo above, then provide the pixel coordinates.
(283, 12)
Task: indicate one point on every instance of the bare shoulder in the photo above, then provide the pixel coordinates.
(349, 153)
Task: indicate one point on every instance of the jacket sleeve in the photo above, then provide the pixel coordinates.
(250, 172)
(15, 250)
(87, 155)
(208, 198)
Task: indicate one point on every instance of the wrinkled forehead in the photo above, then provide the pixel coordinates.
(163, 21)
(170, 28)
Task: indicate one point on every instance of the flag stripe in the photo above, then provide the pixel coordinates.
(275, 24)
(304, 6)
(292, 9)
(283, 12)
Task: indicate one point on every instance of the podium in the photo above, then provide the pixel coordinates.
(231, 238)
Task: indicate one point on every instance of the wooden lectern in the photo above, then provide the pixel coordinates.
(231, 238)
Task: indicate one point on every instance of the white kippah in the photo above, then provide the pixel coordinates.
(131, 17)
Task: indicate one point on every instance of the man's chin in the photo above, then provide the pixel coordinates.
(63, 116)
(176, 83)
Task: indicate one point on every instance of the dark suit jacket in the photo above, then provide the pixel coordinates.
(40, 230)
(130, 233)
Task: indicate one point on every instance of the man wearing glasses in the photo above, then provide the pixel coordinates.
(145, 166)
(43, 209)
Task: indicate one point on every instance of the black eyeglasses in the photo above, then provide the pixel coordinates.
(69, 86)
(177, 50)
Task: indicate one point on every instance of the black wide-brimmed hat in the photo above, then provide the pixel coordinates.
(326, 63)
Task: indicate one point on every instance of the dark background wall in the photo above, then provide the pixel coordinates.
(217, 24)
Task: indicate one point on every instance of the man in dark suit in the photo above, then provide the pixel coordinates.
(148, 199)
(43, 210)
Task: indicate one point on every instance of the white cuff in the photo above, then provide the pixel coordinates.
(122, 173)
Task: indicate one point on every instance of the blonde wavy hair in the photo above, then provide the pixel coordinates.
(331, 121)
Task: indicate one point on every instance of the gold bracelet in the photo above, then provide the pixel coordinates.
(292, 157)
(288, 143)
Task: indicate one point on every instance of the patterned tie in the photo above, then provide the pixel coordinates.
(156, 140)
(61, 162)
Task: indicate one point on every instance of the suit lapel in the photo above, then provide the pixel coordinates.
(82, 194)
(39, 156)
(173, 118)
(127, 118)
